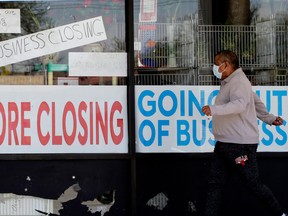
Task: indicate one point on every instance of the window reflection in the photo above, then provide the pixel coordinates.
(37, 16)
(164, 40)
(178, 45)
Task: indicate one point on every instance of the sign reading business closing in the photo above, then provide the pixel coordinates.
(52, 40)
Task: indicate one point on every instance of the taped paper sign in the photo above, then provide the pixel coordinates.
(97, 64)
(52, 40)
(10, 21)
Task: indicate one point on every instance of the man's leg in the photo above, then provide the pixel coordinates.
(250, 176)
(219, 173)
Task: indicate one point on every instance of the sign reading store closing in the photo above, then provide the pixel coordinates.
(63, 119)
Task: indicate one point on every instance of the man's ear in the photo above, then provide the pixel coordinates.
(228, 65)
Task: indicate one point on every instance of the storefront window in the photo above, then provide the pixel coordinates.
(265, 9)
(162, 29)
(49, 31)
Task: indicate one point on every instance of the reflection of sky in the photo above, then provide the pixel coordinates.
(267, 8)
(167, 8)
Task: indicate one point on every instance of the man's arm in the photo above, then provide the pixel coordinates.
(263, 114)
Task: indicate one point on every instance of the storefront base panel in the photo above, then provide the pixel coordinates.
(65, 187)
(175, 184)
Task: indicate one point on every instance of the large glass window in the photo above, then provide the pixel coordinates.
(70, 25)
(175, 41)
(267, 9)
(165, 42)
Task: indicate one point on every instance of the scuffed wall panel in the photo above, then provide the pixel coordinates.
(65, 188)
(12, 204)
(176, 185)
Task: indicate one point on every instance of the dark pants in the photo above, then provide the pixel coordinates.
(223, 164)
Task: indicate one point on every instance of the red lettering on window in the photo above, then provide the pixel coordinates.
(12, 123)
(116, 138)
(25, 123)
(56, 139)
(102, 123)
(69, 139)
(2, 111)
(91, 123)
(44, 139)
(82, 138)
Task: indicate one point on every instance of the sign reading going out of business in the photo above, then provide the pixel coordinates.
(169, 118)
(52, 40)
(10, 21)
(63, 119)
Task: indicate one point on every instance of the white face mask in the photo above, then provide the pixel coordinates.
(216, 71)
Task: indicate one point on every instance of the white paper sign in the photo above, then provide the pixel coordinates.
(52, 40)
(97, 64)
(170, 119)
(10, 21)
(63, 119)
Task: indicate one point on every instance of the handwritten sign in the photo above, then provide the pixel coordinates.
(52, 40)
(97, 64)
(10, 21)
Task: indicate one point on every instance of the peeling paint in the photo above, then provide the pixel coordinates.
(159, 201)
(191, 207)
(69, 194)
(22, 205)
(101, 204)
(13, 204)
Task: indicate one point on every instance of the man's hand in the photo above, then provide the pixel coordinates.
(278, 121)
(207, 111)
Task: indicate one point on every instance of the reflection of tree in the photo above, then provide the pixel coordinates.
(238, 39)
(173, 7)
(235, 12)
(239, 12)
(33, 17)
(254, 13)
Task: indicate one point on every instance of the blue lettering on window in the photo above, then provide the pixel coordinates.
(183, 136)
(199, 142)
(211, 141)
(281, 132)
(280, 94)
(149, 124)
(211, 96)
(193, 100)
(162, 132)
(173, 97)
(151, 104)
(268, 141)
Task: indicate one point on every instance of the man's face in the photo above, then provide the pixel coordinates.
(217, 61)
(222, 65)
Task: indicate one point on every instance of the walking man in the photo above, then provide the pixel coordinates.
(235, 129)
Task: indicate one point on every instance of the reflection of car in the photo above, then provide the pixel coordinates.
(95, 80)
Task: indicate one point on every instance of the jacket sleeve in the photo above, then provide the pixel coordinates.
(262, 112)
(237, 100)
